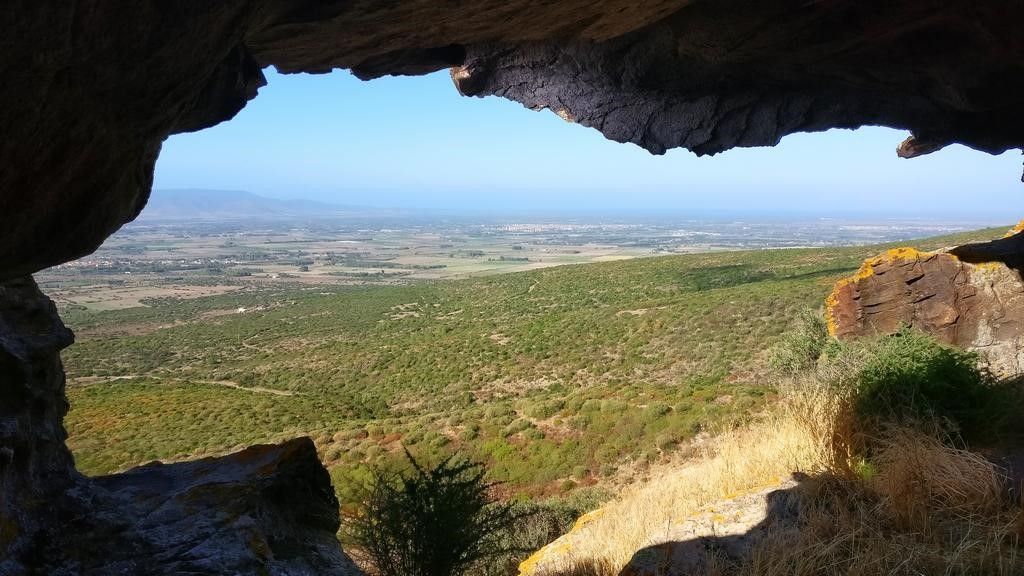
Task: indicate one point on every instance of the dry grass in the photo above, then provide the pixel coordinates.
(921, 506)
(739, 461)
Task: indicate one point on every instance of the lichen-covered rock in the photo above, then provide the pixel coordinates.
(969, 296)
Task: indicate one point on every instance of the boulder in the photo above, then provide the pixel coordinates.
(264, 510)
(970, 296)
(728, 529)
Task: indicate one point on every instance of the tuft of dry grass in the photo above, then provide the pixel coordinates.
(921, 506)
(739, 461)
(921, 477)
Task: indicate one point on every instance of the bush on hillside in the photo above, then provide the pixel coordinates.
(540, 522)
(800, 348)
(908, 376)
(437, 521)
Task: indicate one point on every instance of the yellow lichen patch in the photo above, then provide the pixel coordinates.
(528, 567)
(559, 547)
(586, 519)
(830, 303)
(867, 270)
(1015, 230)
(903, 253)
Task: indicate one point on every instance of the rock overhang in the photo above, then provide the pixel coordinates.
(92, 91)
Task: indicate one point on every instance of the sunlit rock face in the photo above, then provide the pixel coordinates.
(967, 296)
(92, 90)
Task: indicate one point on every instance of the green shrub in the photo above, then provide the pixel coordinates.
(437, 521)
(800, 348)
(909, 376)
(540, 522)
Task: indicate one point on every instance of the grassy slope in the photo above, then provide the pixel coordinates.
(557, 374)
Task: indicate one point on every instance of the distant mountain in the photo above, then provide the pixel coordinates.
(195, 204)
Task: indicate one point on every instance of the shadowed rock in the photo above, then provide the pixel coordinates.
(265, 510)
(91, 90)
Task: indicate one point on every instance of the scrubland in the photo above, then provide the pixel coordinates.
(891, 474)
(573, 385)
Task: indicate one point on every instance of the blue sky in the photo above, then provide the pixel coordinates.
(415, 143)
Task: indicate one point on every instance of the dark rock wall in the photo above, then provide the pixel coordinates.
(35, 465)
(92, 88)
(729, 73)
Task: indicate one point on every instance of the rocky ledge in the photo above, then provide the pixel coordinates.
(264, 510)
(728, 530)
(971, 296)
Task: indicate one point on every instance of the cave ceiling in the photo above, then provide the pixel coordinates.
(92, 89)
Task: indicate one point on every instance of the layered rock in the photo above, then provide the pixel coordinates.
(265, 510)
(968, 296)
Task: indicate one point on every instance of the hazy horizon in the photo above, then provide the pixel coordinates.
(414, 143)
(611, 213)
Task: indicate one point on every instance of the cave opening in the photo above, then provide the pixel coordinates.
(94, 92)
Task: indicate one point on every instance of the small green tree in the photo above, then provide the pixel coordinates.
(438, 521)
(799, 349)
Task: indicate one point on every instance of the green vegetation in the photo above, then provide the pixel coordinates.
(910, 376)
(907, 379)
(890, 439)
(437, 521)
(555, 379)
(799, 349)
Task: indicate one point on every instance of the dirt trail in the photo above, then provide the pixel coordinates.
(237, 386)
(89, 380)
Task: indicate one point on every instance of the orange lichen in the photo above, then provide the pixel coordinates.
(867, 270)
(1015, 230)
(558, 547)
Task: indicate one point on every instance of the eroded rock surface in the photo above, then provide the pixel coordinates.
(265, 510)
(35, 465)
(979, 305)
(268, 509)
(91, 90)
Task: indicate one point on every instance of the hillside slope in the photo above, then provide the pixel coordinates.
(556, 378)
